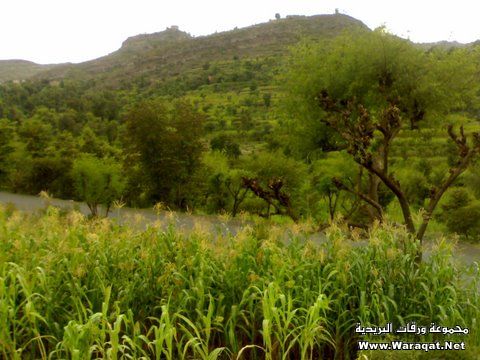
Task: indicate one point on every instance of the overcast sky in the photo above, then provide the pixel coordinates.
(53, 31)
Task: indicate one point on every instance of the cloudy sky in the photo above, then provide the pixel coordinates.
(53, 31)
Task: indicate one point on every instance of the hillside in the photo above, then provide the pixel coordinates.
(159, 56)
(191, 122)
(11, 70)
(172, 56)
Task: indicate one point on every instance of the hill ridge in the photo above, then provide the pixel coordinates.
(171, 51)
(168, 53)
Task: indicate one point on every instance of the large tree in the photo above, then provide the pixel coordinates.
(361, 91)
(97, 181)
(164, 142)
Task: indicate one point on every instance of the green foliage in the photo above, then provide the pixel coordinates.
(253, 95)
(472, 179)
(461, 213)
(36, 135)
(456, 198)
(7, 133)
(266, 166)
(227, 144)
(50, 174)
(97, 181)
(325, 199)
(465, 221)
(370, 88)
(165, 141)
(225, 191)
(374, 68)
(415, 184)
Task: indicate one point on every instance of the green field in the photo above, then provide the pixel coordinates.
(76, 288)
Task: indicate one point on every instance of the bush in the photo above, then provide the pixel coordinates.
(415, 185)
(461, 213)
(465, 221)
(226, 144)
(97, 181)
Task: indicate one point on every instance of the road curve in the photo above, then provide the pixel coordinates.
(467, 253)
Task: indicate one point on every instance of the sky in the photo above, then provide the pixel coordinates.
(55, 31)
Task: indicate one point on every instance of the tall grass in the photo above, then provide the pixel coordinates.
(81, 289)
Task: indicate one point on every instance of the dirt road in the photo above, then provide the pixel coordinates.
(466, 252)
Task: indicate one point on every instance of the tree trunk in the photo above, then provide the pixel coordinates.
(373, 184)
(93, 209)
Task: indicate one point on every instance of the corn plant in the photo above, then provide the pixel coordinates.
(72, 287)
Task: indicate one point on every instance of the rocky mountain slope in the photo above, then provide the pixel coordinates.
(159, 56)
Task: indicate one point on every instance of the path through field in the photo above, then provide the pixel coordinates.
(467, 253)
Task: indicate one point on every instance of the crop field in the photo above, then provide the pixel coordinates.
(76, 288)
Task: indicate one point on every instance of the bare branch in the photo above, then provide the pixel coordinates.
(341, 186)
(466, 153)
(274, 196)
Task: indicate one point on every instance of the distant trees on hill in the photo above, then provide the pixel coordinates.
(163, 146)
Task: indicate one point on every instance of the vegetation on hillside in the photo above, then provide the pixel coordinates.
(302, 121)
(365, 93)
(160, 60)
(18, 70)
(263, 135)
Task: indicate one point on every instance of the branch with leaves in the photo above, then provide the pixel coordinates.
(273, 196)
(360, 131)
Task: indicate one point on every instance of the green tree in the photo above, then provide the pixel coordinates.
(277, 179)
(166, 141)
(36, 135)
(49, 173)
(97, 181)
(369, 87)
(461, 212)
(226, 144)
(226, 190)
(7, 135)
(92, 144)
(324, 173)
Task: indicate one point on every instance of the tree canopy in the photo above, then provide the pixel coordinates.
(97, 181)
(375, 68)
(165, 140)
(361, 90)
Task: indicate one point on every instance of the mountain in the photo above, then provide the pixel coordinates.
(173, 56)
(17, 70)
(446, 45)
(156, 58)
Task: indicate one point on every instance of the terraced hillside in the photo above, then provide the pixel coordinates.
(173, 54)
(17, 70)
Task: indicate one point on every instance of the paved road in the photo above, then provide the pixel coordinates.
(467, 253)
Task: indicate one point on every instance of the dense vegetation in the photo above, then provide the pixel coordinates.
(76, 288)
(260, 134)
(368, 92)
(11, 70)
(360, 133)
